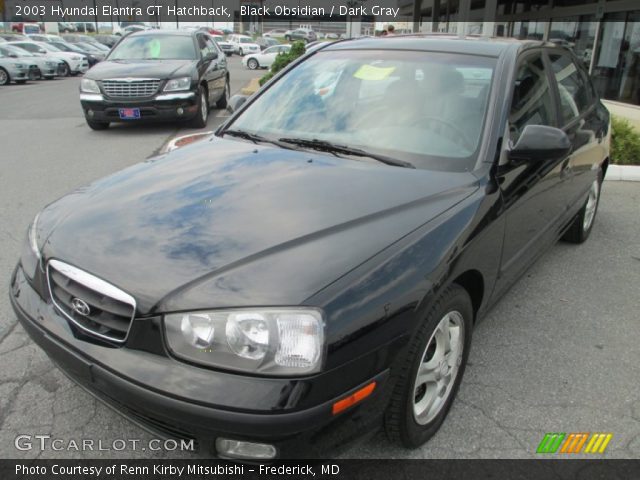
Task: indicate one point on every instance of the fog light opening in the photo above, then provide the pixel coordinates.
(180, 111)
(90, 112)
(244, 450)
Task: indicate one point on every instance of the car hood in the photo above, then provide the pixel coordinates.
(141, 69)
(227, 223)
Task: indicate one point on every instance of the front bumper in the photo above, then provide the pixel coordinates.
(175, 400)
(18, 73)
(161, 107)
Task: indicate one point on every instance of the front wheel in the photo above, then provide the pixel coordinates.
(582, 225)
(428, 376)
(224, 99)
(200, 120)
(64, 70)
(253, 64)
(97, 125)
(4, 77)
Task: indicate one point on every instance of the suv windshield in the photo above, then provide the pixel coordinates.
(420, 107)
(155, 47)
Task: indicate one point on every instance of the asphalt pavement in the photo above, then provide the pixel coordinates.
(559, 353)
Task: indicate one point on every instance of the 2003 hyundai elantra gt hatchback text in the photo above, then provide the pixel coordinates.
(314, 270)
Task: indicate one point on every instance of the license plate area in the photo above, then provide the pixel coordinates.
(129, 113)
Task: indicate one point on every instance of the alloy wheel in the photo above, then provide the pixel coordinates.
(4, 77)
(438, 368)
(253, 64)
(592, 204)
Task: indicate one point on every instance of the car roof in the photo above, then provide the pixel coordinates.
(446, 43)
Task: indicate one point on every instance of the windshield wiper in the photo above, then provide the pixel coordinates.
(255, 138)
(324, 146)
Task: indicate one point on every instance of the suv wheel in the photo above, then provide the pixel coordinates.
(97, 125)
(583, 223)
(224, 99)
(200, 121)
(428, 376)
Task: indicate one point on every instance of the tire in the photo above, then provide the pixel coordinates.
(34, 75)
(66, 71)
(582, 224)
(5, 79)
(200, 120)
(224, 99)
(416, 410)
(97, 125)
(253, 64)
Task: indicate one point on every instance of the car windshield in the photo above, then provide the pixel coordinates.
(155, 47)
(246, 40)
(420, 107)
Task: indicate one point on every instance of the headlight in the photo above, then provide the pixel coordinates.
(89, 86)
(174, 84)
(19, 66)
(30, 258)
(76, 57)
(51, 64)
(267, 341)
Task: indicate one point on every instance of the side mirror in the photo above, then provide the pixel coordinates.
(236, 102)
(211, 56)
(14, 55)
(538, 143)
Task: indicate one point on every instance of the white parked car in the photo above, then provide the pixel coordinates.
(74, 63)
(45, 67)
(242, 44)
(265, 58)
(45, 37)
(12, 69)
(225, 46)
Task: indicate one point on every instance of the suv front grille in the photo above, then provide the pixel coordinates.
(95, 306)
(130, 88)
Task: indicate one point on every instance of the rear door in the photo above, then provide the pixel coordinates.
(580, 119)
(535, 202)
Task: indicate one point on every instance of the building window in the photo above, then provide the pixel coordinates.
(616, 71)
(577, 33)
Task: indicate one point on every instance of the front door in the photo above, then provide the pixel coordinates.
(534, 197)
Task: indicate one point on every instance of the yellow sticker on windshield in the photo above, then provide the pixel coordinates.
(154, 48)
(369, 72)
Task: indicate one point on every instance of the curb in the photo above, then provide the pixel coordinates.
(252, 87)
(626, 173)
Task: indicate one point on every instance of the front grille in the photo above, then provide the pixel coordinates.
(95, 306)
(130, 88)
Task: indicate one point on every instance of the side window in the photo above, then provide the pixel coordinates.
(202, 45)
(572, 87)
(532, 100)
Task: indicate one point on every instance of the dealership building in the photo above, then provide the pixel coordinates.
(605, 34)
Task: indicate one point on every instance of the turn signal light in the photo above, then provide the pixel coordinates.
(353, 399)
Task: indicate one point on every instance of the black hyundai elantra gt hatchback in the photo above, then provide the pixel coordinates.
(315, 269)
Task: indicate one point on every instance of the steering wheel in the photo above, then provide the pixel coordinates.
(459, 136)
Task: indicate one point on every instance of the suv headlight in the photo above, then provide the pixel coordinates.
(269, 341)
(183, 83)
(89, 86)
